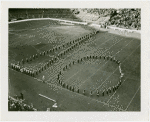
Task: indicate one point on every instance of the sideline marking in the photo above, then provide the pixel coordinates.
(132, 98)
(47, 98)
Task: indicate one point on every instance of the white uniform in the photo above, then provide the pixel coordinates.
(43, 78)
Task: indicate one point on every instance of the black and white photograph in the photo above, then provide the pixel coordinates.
(74, 59)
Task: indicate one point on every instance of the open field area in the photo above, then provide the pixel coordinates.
(49, 39)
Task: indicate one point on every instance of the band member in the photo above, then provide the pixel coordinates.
(67, 86)
(84, 91)
(114, 59)
(64, 85)
(78, 90)
(33, 57)
(78, 61)
(107, 91)
(110, 90)
(73, 89)
(103, 93)
(30, 59)
(11, 65)
(36, 55)
(91, 93)
(21, 95)
(22, 61)
(27, 59)
(33, 74)
(58, 76)
(30, 73)
(97, 92)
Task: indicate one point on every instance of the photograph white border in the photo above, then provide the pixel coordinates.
(77, 116)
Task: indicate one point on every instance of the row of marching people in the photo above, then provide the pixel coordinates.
(94, 57)
(97, 93)
(105, 92)
(74, 42)
(23, 70)
(79, 40)
(35, 72)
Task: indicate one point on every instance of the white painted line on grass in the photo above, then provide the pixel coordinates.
(132, 98)
(47, 98)
(101, 67)
(116, 68)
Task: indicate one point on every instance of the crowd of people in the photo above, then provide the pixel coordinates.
(18, 105)
(126, 18)
(123, 18)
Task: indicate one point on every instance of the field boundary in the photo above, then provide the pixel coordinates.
(116, 28)
(60, 20)
(122, 29)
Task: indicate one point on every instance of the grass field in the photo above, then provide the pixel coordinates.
(30, 38)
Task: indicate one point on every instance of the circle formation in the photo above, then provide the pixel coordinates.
(105, 91)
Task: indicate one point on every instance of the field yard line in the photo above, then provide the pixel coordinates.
(47, 98)
(15, 34)
(115, 69)
(36, 49)
(132, 98)
(109, 72)
(114, 92)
